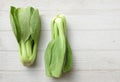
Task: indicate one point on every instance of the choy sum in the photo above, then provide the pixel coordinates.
(58, 54)
(26, 28)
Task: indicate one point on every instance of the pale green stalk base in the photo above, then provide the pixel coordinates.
(26, 55)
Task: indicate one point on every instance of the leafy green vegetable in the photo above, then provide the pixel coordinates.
(26, 27)
(58, 54)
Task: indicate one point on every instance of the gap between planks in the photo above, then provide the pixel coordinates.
(84, 50)
(102, 70)
(73, 30)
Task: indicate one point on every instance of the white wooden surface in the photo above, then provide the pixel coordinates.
(93, 29)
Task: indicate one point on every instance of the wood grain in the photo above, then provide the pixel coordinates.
(79, 40)
(103, 20)
(82, 61)
(77, 76)
(63, 4)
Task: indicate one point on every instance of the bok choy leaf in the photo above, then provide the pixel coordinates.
(58, 54)
(26, 28)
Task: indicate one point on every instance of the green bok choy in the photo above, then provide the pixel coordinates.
(58, 54)
(26, 27)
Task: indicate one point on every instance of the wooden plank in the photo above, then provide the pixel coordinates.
(77, 76)
(79, 40)
(108, 20)
(82, 60)
(62, 4)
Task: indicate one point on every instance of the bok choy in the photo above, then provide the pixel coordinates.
(26, 27)
(58, 54)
